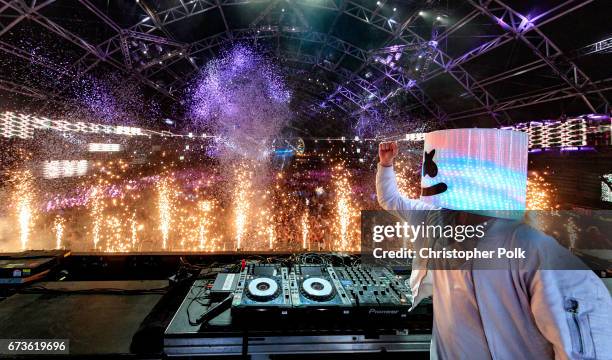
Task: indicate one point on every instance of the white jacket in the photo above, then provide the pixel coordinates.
(523, 313)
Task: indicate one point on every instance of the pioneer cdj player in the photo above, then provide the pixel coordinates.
(324, 295)
(262, 292)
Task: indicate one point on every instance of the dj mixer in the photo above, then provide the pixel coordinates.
(281, 308)
(264, 295)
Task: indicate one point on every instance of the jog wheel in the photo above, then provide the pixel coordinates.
(318, 289)
(263, 289)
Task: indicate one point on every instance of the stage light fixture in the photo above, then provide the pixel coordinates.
(53, 169)
(103, 147)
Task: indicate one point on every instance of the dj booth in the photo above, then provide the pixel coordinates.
(241, 305)
(271, 309)
(156, 306)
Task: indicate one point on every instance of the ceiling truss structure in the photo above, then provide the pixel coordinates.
(545, 49)
(363, 94)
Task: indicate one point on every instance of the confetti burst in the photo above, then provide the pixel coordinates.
(241, 97)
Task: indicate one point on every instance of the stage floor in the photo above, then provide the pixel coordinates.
(94, 323)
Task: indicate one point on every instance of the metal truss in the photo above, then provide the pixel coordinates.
(84, 64)
(29, 7)
(603, 46)
(38, 60)
(545, 49)
(552, 14)
(354, 77)
(362, 93)
(146, 26)
(352, 9)
(482, 49)
(21, 89)
(329, 31)
(409, 37)
(457, 25)
(156, 22)
(346, 48)
(410, 85)
(372, 91)
(154, 18)
(549, 95)
(176, 13)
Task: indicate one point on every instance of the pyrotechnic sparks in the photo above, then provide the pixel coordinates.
(96, 214)
(241, 203)
(305, 229)
(540, 193)
(133, 230)
(58, 226)
(166, 208)
(346, 214)
(205, 208)
(408, 181)
(23, 200)
(271, 236)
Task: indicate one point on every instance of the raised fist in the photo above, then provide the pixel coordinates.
(387, 151)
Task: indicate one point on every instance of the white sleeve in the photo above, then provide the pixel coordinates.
(389, 196)
(392, 200)
(573, 310)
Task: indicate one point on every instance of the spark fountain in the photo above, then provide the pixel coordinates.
(165, 207)
(346, 215)
(96, 211)
(241, 203)
(58, 226)
(242, 98)
(23, 200)
(204, 233)
(305, 229)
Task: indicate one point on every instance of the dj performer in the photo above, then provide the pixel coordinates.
(519, 312)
